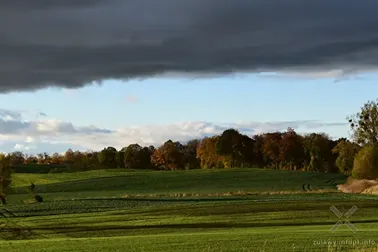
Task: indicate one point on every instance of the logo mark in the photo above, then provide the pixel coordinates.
(346, 215)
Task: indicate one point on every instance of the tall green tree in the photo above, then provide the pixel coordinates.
(108, 157)
(131, 156)
(346, 152)
(318, 148)
(364, 124)
(238, 147)
(120, 158)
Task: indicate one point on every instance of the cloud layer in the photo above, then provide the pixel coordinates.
(71, 43)
(56, 136)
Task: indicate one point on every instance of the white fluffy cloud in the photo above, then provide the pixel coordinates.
(53, 135)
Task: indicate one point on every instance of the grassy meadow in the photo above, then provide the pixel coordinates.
(195, 210)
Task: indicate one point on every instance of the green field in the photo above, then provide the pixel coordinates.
(196, 210)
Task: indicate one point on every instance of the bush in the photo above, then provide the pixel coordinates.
(38, 198)
(366, 163)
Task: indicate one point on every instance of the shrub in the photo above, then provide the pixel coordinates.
(366, 163)
(38, 198)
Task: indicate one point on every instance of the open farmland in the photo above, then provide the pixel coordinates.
(199, 210)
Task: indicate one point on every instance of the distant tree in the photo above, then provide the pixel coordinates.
(138, 157)
(56, 158)
(236, 146)
(120, 158)
(259, 159)
(108, 157)
(346, 152)
(92, 159)
(366, 163)
(318, 149)
(40, 158)
(5, 175)
(169, 156)
(271, 147)
(190, 154)
(17, 158)
(158, 160)
(131, 158)
(31, 160)
(46, 158)
(291, 149)
(69, 156)
(364, 124)
(208, 156)
(229, 144)
(79, 161)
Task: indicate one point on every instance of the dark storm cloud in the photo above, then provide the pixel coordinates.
(72, 43)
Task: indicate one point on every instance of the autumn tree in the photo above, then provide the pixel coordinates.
(31, 159)
(5, 175)
(364, 124)
(69, 156)
(40, 159)
(158, 160)
(346, 152)
(169, 156)
(207, 154)
(56, 158)
(291, 149)
(271, 147)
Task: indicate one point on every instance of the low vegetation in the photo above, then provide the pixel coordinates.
(195, 210)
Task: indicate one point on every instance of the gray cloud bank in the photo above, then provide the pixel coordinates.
(71, 43)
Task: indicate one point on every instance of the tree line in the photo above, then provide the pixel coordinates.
(286, 150)
(278, 150)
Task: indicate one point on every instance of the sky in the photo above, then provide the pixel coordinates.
(151, 111)
(95, 73)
